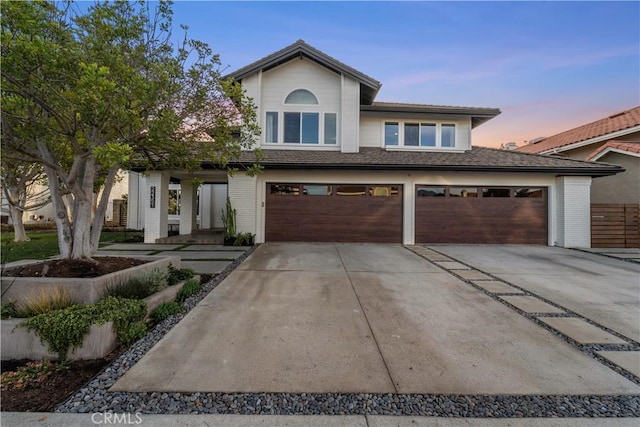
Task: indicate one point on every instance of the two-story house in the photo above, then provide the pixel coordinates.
(341, 167)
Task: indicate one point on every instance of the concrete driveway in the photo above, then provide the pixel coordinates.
(600, 288)
(361, 318)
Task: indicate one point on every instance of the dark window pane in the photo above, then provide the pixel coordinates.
(310, 127)
(463, 192)
(285, 189)
(428, 135)
(391, 131)
(301, 96)
(448, 135)
(411, 134)
(496, 192)
(271, 125)
(535, 193)
(316, 190)
(330, 128)
(292, 127)
(351, 190)
(431, 191)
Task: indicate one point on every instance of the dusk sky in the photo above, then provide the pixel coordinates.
(549, 66)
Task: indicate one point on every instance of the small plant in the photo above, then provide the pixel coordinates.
(165, 310)
(243, 239)
(175, 275)
(190, 288)
(32, 372)
(139, 287)
(8, 310)
(132, 333)
(229, 220)
(43, 301)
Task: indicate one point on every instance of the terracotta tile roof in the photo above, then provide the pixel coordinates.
(478, 159)
(629, 147)
(614, 123)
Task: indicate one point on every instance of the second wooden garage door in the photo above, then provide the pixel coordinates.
(334, 213)
(502, 215)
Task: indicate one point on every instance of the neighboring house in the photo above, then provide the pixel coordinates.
(341, 167)
(615, 199)
(116, 207)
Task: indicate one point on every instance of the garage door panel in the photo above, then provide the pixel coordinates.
(334, 218)
(509, 220)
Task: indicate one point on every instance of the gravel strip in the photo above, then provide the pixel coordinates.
(95, 397)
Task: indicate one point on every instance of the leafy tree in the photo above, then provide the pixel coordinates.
(22, 189)
(94, 91)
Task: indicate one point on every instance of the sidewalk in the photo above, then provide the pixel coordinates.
(29, 419)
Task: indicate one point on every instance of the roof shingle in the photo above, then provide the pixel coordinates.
(478, 159)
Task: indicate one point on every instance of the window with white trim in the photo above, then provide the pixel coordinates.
(419, 134)
(301, 121)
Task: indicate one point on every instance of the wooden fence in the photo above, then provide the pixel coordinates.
(614, 226)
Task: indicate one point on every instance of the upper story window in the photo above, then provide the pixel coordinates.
(419, 134)
(302, 120)
(301, 96)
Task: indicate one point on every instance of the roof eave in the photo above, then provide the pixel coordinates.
(564, 171)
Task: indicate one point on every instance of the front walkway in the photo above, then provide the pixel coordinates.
(202, 258)
(323, 318)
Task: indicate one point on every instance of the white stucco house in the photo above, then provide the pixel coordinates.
(342, 167)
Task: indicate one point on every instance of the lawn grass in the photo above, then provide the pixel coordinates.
(45, 244)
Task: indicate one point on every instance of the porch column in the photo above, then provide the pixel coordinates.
(188, 206)
(573, 201)
(156, 206)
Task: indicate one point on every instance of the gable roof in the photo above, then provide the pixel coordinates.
(478, 115)
(479, 159)
(631, 148)
(369, 86)
(615, 125)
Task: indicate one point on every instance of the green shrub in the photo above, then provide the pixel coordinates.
(33, 372)
(44, 300)
(190, 287)
(139, 287)
(65, 329)
(133, 333)
(175, 275)
(243, 239)
(8, 310)
(165, 310)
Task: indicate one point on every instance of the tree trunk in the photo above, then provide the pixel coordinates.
(20, 235)
(65, 238)
(101, 210)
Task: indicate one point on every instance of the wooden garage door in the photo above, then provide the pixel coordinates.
(334, 213)
(503, 215)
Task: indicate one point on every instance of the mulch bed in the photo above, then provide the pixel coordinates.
(99, 266)
(45, 396)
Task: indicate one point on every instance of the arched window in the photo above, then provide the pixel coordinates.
(301, 96)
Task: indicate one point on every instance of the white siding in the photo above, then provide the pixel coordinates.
(242, 193)
(137, 187)
(156, 218)
(372, 129)
(409, 181)
(574, 211)
(350, 117)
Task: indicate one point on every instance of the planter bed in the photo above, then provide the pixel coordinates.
(86, 290)
(21, 343)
